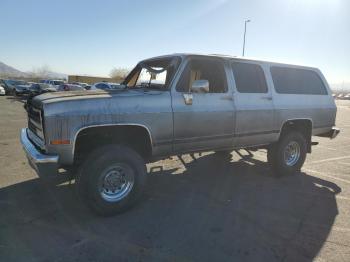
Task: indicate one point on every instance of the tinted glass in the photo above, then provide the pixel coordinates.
(102, 86)
(249, 78)
(202, 69)
(297, 81)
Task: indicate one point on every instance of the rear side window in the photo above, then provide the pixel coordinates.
(297, 81)
(249, 78)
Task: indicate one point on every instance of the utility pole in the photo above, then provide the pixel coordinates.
(245, 32)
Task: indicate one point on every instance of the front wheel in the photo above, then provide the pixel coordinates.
(288, 155)
(111, 179)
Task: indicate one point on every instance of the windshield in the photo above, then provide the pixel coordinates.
(153, 74)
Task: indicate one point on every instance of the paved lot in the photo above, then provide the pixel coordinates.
(209, 209)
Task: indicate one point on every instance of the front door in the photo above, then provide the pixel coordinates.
(207, 122)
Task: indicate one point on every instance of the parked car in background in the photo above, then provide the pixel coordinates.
(35, 89)
(8, 88)
(45, 88)
(85, 85)
(51, 85)
(22, 88)
(52, 82)
(70, 87)
(10, 85)
(2, 91)
(106, 86)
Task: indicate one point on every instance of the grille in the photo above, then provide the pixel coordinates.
(35, 122)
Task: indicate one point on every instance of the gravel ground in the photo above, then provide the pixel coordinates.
(202, 209)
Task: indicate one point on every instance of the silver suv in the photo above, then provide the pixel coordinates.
(172, 105)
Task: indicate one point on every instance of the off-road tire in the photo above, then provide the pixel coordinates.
(276, 151)
(89, 173)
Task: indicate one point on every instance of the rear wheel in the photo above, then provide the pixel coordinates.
(288, 155)
(111, 179)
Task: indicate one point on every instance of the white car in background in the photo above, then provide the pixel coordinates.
(51, 85)
(106, 86)
(2, 91)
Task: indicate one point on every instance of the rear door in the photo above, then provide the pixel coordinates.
(254, 104)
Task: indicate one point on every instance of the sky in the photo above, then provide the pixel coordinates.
(93, 36)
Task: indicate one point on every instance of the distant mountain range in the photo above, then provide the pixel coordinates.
(7, 71)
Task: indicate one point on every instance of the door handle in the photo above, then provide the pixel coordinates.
(266, 98)
(188, 99)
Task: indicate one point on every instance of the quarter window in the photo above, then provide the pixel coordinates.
(249, 78)
(297, 81)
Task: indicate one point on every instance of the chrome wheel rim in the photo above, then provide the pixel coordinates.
(291, 153)
(116, 182)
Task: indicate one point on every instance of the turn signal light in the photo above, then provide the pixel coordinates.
(60, 142)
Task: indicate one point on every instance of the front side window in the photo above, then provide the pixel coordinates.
(249, 78)
(297, 81)
(204, 69)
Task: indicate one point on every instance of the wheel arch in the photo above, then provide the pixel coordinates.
(118, 126)
(303, 125)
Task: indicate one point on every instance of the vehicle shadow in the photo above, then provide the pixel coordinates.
(211, 209)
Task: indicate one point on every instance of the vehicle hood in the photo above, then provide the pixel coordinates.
(61, 97)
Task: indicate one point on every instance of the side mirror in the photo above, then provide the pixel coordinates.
(200, 86)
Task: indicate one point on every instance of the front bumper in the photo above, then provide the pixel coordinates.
(42, 163)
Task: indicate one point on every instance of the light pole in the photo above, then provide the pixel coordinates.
(245, 31)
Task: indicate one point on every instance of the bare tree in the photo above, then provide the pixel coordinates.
(40, 72)
(118, 74)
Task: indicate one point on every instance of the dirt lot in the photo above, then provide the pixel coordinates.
(208, 209)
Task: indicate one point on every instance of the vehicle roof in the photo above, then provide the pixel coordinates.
(229, 57)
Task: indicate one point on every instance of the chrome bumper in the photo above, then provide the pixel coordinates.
(331, 133)
(43, 164)
(334, 132)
